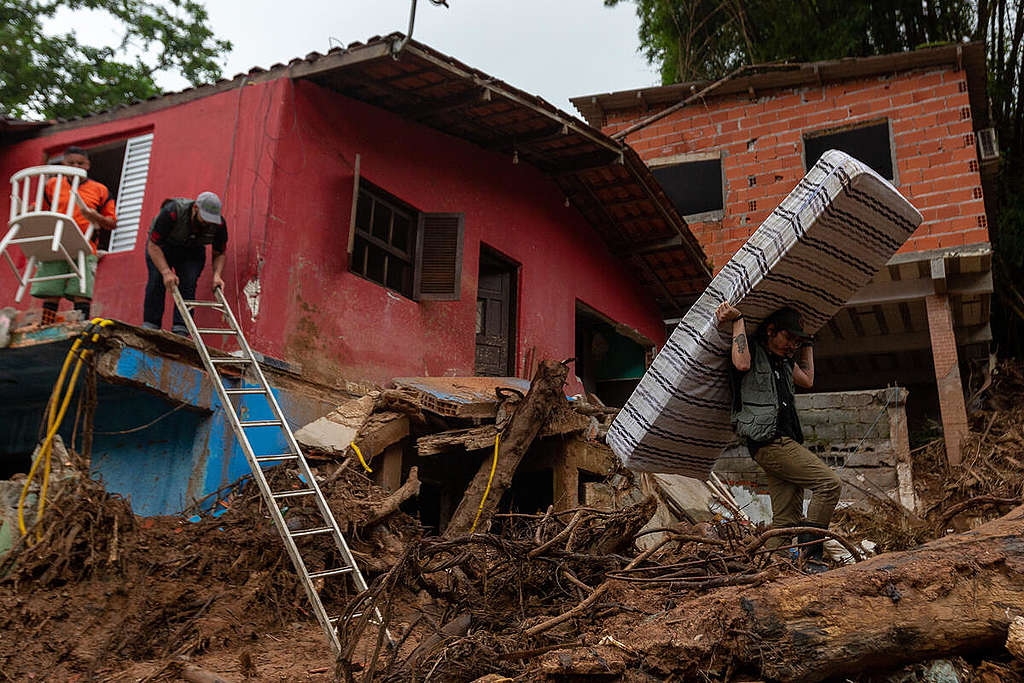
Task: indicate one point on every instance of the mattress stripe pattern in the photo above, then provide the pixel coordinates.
(824, 242)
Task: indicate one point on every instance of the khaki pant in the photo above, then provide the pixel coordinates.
(791, 468)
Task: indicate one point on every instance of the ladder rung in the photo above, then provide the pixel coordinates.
(247, 390)
(230, 361)
(330, 572)
(261, 423)
(214, 330)
(271, 458)
(292, 494)
(312, 532)
(203, 304)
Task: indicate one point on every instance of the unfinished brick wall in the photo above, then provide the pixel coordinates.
(761, 142)
(861, 434)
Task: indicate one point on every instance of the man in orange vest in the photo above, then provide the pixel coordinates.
(99, 211)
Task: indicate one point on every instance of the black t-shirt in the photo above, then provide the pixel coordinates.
(168, 216)
(787, 424)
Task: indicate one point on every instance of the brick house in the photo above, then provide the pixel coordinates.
(920, 119)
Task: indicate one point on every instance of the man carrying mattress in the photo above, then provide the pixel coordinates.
(779, 356)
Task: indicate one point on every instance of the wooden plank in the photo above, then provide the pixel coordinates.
(381, 431)
(355, 203)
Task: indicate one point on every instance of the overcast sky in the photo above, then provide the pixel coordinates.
(553, 48)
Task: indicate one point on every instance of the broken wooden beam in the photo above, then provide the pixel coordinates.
(563, 420)
(545, 396)
(380, 431)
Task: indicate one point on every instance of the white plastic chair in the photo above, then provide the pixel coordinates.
(41, 231)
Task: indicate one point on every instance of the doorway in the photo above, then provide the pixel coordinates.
(610, 358)
(496, 307)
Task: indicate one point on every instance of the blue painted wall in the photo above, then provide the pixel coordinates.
(161, 436)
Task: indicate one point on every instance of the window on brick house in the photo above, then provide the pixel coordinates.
(418, 255)
(868, 143)
(692, 182)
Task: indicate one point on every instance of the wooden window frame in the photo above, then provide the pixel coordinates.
(380, 197)
(412, 258)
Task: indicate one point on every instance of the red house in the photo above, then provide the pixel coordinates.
(394, 213)
(730, 155)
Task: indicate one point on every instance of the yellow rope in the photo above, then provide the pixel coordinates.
(360, 454)
(54, 417)
(494, 466)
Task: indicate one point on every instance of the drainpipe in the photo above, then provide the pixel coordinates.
(399, 45)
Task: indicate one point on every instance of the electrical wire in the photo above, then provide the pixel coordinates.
(494, 466)
(82, 348)
(361, 460)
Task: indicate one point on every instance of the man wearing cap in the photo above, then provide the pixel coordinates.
(176, 253)
(764, 416)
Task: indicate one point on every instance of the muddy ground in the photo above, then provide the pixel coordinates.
(108, 596)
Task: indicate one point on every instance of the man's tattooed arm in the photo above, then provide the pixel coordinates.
(740, 341)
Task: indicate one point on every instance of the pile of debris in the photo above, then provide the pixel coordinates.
(502, 417)
(567, 592)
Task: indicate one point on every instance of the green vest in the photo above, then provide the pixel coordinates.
(181, 235)
(757, 415)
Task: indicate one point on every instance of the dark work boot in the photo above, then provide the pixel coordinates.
(814, 562)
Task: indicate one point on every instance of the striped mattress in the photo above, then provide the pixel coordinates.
(825, 241)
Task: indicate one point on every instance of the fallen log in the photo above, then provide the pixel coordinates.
(954, 595)
(390, 505)
(530, 415)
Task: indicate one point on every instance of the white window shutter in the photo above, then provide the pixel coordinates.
(131, 192)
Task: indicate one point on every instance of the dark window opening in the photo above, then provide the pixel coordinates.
(15, 463)
(868, 144)
(384, 233)
(693, 186)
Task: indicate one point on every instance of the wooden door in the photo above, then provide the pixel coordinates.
(495, 316)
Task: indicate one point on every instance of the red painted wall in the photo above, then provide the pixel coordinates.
(288, 201)
(190, 154)
(936, 159)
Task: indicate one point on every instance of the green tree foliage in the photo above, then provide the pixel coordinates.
(706, 39)
(58, 76)
(701, 39)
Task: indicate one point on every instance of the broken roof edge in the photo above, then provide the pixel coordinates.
(969, 55)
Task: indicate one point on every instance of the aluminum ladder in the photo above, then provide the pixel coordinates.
(246, 360)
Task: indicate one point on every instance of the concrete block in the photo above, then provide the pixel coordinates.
(859, 399)
(334, 432)
(872, 455)
(833, 399)
(875, 479)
